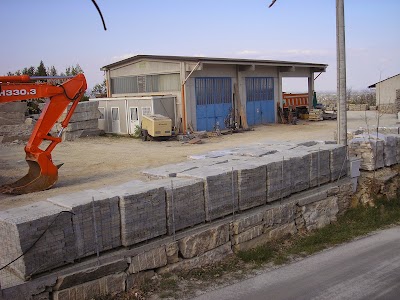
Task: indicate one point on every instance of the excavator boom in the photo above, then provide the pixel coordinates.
(42, 174)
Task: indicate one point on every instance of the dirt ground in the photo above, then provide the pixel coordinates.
(92, 163)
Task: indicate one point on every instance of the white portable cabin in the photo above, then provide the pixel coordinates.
(122, 115)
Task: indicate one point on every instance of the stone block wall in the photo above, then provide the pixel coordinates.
(209, 243)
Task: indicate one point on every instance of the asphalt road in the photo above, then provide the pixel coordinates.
(368, 268)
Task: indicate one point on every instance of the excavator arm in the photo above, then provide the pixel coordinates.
(42, 174)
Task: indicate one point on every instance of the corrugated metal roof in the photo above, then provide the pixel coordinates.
(214, 60)
(374, 85)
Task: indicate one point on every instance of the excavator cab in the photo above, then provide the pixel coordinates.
(42, 174)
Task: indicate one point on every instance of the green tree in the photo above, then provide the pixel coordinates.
(41, 70)
(28, 71)
(52, 71)
(72, 70)
(99, 89)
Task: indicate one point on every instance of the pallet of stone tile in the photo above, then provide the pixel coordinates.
(143, 211)
(251, 178)
(300, 162)
(171, 170)
(185, 202)
(42, 233)
(320, 172)
(96, 220)
(369, 149)
(337, 159)
(278, 172)
(220, 189)
(315, 115)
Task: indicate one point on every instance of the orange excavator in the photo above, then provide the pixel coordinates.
(42, 174)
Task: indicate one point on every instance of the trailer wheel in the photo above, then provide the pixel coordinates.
(144, 135)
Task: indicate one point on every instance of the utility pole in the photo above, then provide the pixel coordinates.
(341, 73)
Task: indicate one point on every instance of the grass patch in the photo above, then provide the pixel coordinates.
(354, 223)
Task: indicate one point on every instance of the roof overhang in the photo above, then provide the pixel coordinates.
(246, 63)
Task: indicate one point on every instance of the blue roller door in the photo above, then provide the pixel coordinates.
(213, 102)
(260, 100)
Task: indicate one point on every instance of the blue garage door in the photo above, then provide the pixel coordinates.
(213, 102)
(260, 100)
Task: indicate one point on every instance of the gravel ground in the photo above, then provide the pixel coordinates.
(102, 161)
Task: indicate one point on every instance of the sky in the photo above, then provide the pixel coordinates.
(70, 32)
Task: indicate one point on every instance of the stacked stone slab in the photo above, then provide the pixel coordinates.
(220, 189)
(172, 169)
(397, 101)
(83, 123)
(251, 179)
(185, 203)
(42, 233)
(143, 211)
(320, 172)
(12, 113)
(96, 220)
(337, 159)
(300, 162)
(369, 149)
(391, 153)
(278, 176)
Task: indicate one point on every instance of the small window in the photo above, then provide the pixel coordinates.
(115, 113)
(102, 113)
(146, 111)
(134, 114)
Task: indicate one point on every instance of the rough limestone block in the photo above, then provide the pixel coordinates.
(185, 202)
(207, 258)
(280, 232)
(220, 189)
(143, 211)
(42, 225)
(83, 116)
(95, 213)
(247, 235)
(152, 259)
(370, 150)
(244, 223)
(106, 286)
(319, 214)
(89, 124)
(85, 106)
(199, 243)
(280, 215)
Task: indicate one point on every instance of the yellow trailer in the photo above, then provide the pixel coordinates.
(156, 126)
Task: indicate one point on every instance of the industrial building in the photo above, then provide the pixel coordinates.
(386, 93)
(209, 92)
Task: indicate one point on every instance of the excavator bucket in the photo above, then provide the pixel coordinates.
(42, 175)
